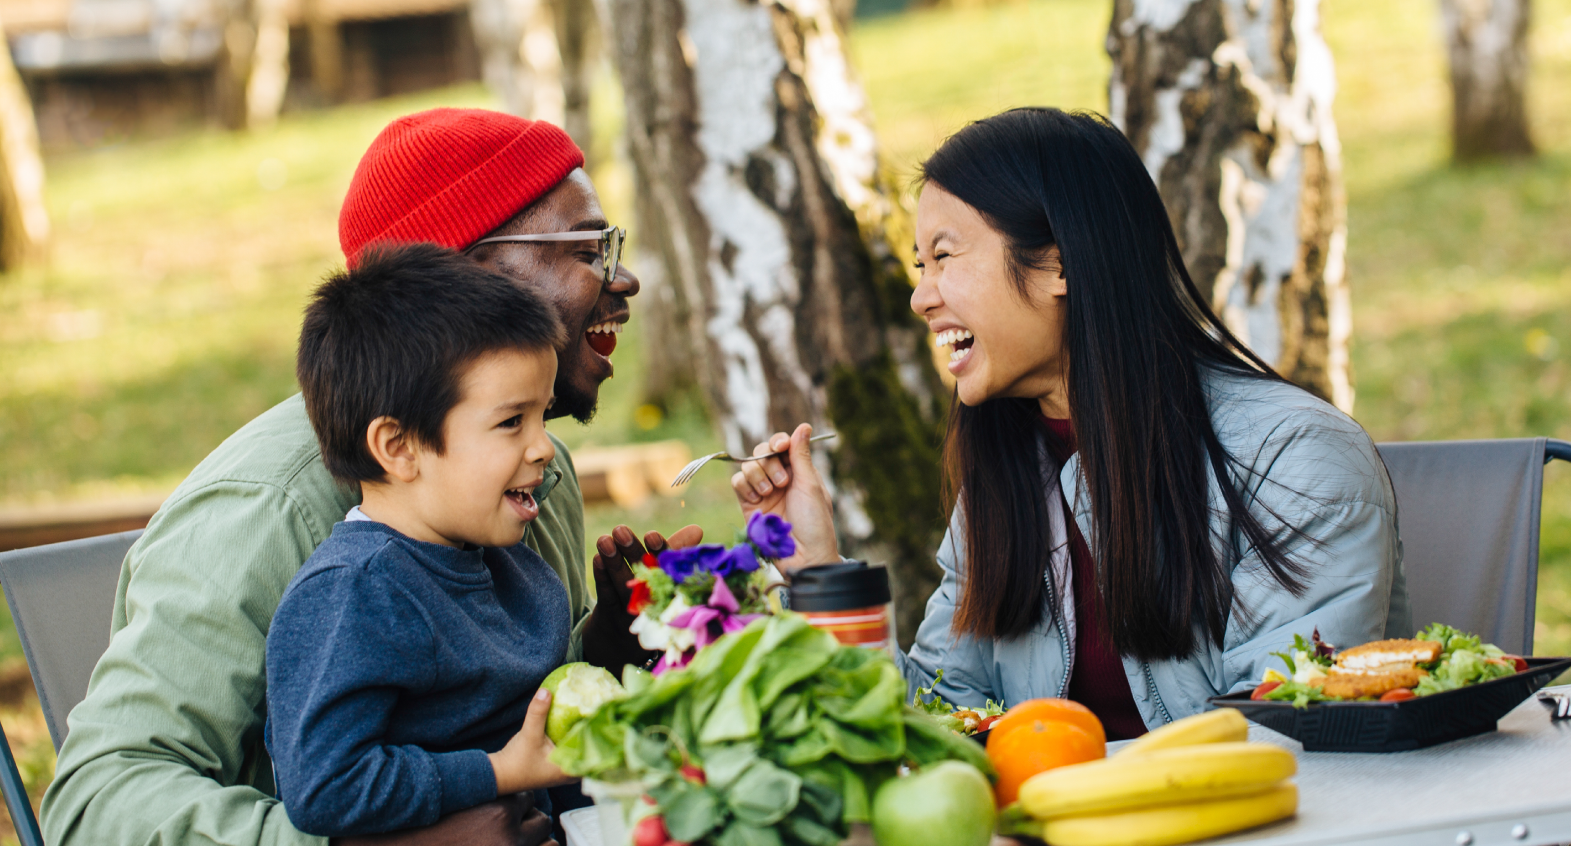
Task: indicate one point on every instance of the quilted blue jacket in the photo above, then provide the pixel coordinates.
(1299, 458)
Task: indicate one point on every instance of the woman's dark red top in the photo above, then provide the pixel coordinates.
(1097, 679)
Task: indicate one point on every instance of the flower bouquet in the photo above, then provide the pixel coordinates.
(683, 599)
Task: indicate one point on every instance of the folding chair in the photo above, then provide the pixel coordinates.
(1468, 512)
(61, 597)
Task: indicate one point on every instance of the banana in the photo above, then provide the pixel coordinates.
(1172, 824)
(1163, 777)
(1223, 725)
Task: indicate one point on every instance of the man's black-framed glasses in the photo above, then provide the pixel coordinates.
(610, 238)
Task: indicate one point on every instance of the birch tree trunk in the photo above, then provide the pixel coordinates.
(1487, 42)
(518, 56)
(577, 37)
(1229, 104)
(253, 70)
(761, 210)
(538, 57)
(24, 219)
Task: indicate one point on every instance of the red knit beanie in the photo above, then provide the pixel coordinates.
(450, 176)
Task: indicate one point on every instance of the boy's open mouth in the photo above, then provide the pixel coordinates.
(523, 502)
(602, 337)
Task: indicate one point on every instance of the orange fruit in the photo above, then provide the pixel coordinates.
(1042, 745)
(1047, 710)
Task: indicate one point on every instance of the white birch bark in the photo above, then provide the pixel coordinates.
(538, 57)
(1229, 104)
(24, 219)
(757, 180)
(269, 77)
(1487, 44)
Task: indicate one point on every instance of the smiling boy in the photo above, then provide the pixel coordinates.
(409, 648)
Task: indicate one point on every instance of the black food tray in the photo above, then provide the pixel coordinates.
(1399, 726)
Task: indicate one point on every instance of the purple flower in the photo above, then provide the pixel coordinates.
(738, 559)
(771, 535)
(679, 564)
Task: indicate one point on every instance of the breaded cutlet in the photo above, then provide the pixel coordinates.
(1359, 685)
(1387, 655)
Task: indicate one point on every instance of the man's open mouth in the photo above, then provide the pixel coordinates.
(602, 337)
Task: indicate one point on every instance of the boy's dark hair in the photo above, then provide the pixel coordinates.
(392, 337)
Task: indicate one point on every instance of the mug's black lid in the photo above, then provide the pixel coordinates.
(839, 587)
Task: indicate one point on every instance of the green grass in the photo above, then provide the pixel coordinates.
(168, 314)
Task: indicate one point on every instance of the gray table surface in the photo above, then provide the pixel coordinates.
(1509, 787)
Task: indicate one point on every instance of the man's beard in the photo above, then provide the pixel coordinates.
(574, 403)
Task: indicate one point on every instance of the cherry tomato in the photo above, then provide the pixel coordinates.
(1401, 694)
(1519, 661)
(650, 831)
(987, 723)
(1264, 688)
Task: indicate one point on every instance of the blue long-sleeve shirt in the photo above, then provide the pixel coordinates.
(394, 666)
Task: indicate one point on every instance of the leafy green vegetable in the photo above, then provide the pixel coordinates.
(794, 733)
(945, 712)
(1297, 692)
(1464, 659)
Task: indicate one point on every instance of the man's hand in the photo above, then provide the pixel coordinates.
(509, 821)
(607, 642)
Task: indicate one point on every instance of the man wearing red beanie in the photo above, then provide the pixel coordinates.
(167, 747)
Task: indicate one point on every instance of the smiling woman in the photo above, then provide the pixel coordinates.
(1141, 505)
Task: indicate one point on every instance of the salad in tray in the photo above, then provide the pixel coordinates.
(1438, 659)
(966, 721)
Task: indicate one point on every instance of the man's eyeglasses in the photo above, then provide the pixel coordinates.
(610, 239)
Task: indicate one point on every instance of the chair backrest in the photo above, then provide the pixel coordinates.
(61, 597)
(1468, 513)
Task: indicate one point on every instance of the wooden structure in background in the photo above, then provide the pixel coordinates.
(101, 70)
(625, 476)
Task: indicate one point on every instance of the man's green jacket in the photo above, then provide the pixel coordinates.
(167, 746)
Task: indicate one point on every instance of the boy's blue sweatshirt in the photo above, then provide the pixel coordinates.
(394, 666)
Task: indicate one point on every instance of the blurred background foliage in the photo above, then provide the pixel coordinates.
(168, 313)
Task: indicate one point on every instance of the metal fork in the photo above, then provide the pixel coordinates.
(692, 466)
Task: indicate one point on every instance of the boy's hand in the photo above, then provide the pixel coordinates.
(508, 821)
(607, 642)
(522, 764)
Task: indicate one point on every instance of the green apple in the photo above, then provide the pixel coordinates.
(577, 690)
(948, 804)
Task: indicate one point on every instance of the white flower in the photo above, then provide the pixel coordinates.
(675, 609)
(652, 634)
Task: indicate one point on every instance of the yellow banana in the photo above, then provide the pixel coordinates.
(1163, 777)
(1172, 824)
(1224, 725)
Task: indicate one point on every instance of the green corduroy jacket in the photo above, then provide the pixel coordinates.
(167, 746)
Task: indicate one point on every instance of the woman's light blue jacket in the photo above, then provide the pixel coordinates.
(1296, 457)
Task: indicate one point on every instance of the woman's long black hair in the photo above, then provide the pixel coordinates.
(1138, 337)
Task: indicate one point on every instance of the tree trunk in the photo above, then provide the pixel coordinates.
(264, 90)
(761, 207)
(1229, 104)
(1487, 42)
(577, 32)
(24, 220)
(253, 70)
(538, 56)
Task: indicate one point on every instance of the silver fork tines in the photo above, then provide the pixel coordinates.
(692, 466)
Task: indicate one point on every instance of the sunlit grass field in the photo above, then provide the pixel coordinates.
(168, 313)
